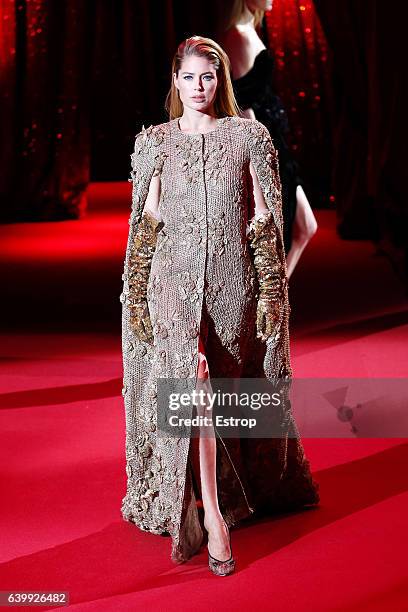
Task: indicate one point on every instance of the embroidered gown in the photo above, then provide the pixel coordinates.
(203, 284)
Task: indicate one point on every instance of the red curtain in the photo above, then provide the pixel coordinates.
(303, 81)
(45, 65)
(370, 135)
(77, 81)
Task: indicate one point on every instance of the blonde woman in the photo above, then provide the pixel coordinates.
(205, 294)
(252, 66)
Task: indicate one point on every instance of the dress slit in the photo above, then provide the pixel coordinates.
(203, 373)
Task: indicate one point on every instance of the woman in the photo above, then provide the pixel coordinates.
(252, 69)
(202, 297)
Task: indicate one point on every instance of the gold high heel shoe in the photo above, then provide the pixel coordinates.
(222, 568)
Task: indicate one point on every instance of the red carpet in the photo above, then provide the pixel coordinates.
(62, 424)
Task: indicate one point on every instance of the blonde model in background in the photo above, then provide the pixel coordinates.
(252, 67)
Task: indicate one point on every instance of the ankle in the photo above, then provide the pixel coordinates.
(213, 521)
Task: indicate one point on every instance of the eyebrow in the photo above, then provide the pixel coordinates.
(202, 74)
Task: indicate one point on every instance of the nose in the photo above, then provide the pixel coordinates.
(198, 85)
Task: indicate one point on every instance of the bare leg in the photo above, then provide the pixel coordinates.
(304, 227)
(218, 542)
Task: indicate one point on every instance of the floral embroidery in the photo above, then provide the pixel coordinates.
(239, 193)
(146, 160)
(159, 162)
(184, 365)
(231, 342)
(160, 360)
(155, 286)
(190, 288)
(212, 290)
(150, 136)
(143, 492)
(148, 410)
(192, 331)
(138, 350)
(162, 329)
(266, 164)
(216, 233)
(215, 160)
(164, 250)
(194, 161)
(189, 150)
(143, 448)
(191, 227)
(228, 336)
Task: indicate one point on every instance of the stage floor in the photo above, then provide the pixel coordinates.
(63, 434)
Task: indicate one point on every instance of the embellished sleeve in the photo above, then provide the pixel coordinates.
(264, 158)
(146, 161)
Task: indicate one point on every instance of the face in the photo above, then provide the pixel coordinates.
(261, 5)
(197, 83)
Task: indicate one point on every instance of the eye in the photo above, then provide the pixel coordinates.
(208, 77)
(187, 77)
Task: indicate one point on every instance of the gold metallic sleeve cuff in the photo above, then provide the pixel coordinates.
(271, 274)
(140, 259)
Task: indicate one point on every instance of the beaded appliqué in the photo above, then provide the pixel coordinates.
(214, 161)
(190, 287)
(189, 152)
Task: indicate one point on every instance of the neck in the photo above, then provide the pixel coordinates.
(193, 121)
(247, 18)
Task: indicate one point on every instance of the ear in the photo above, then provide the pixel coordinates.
(175, 80)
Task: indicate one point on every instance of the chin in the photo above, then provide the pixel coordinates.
(202, 106)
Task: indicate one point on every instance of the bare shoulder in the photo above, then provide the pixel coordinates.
(238, 47)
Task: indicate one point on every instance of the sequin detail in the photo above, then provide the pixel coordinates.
(202, 258)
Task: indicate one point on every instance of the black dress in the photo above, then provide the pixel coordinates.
(255, 90)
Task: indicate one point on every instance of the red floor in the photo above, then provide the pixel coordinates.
(62, 424)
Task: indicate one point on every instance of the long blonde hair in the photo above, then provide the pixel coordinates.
(225, 104)
(232, 12)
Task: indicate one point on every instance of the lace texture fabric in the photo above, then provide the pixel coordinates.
(202, 274)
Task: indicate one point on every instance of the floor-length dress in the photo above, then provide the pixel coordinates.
(255, 90)
(203, 283)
